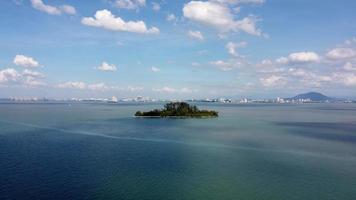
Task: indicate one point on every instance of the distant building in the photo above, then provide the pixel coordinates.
(113, 100)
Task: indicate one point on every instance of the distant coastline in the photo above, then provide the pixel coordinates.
(310, 97)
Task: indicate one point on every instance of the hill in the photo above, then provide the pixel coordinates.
(313, 96)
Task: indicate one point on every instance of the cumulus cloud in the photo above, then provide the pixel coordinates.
(10, 76)
(130, 4)
(32, 81)
(156, 6)
(268, 66)
(235, 2)
(105, 19)
(166, 89)
(155, 69)
(347, 79)
(79, 85)
(72, 85)
(232, 47)
(335, 70)
(273, 81)
(195, 35)
(341, 53)
(68, 9)
(230, 64)
(39, 5)
(349, 66)
(351, 41)
(303, 57)
(297, 58)
(107, 67)
(98, 87)
(223, 65)
(34, 74)
(53, 10)
(282, 60)
(219, 16)
(25, 61)
(171, 17)
(350, 80)
(309, 78)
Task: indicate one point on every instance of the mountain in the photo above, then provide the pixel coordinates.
(313, 96)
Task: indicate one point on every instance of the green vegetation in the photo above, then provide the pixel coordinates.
(178, 109)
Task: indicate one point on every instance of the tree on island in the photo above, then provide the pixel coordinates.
(178, 109)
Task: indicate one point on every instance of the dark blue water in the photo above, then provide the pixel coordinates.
(93, 151)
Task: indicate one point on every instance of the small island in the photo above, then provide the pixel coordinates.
(178, 109)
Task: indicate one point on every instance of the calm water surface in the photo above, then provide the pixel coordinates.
(93, 151)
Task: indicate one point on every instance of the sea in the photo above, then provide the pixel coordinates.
(51, 151)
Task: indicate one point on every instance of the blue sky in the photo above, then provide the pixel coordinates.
(177, 49)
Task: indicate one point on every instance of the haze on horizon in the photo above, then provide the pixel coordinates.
(177, 49)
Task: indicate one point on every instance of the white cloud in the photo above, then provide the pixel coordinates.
(232, 47)
(273, 81)
(98, 87)
(298, 57)
(347, 79)
(326, 72)
(131, 88)
(195, 35)
(39, 5)
(350, 41)
(248, 25)
(268, 66)
(309, 78)
(235, 2)
(26, 78)
(303, 57)
(224, 66)
(68, 9)
(349, 66)
(25, 61)
(156, 6)
(266, 62)
(341, 53)
(166, 89)
(219, 16)
(105, 19)
(130, 4)
(9, 75)
(299, 72)
(230, 64)
(350, 80)
(250, 1)
(72, 85)
(171, 17)
(107, 67)
(282, 60)
(34, 74)
(155, 69)
(32, 81)
(79, 85)
(53, 10)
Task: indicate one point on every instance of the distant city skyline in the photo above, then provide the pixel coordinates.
(177, 49)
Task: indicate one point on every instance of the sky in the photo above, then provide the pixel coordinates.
(177, 48)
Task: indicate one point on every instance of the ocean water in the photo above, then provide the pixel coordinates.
(100, 151)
